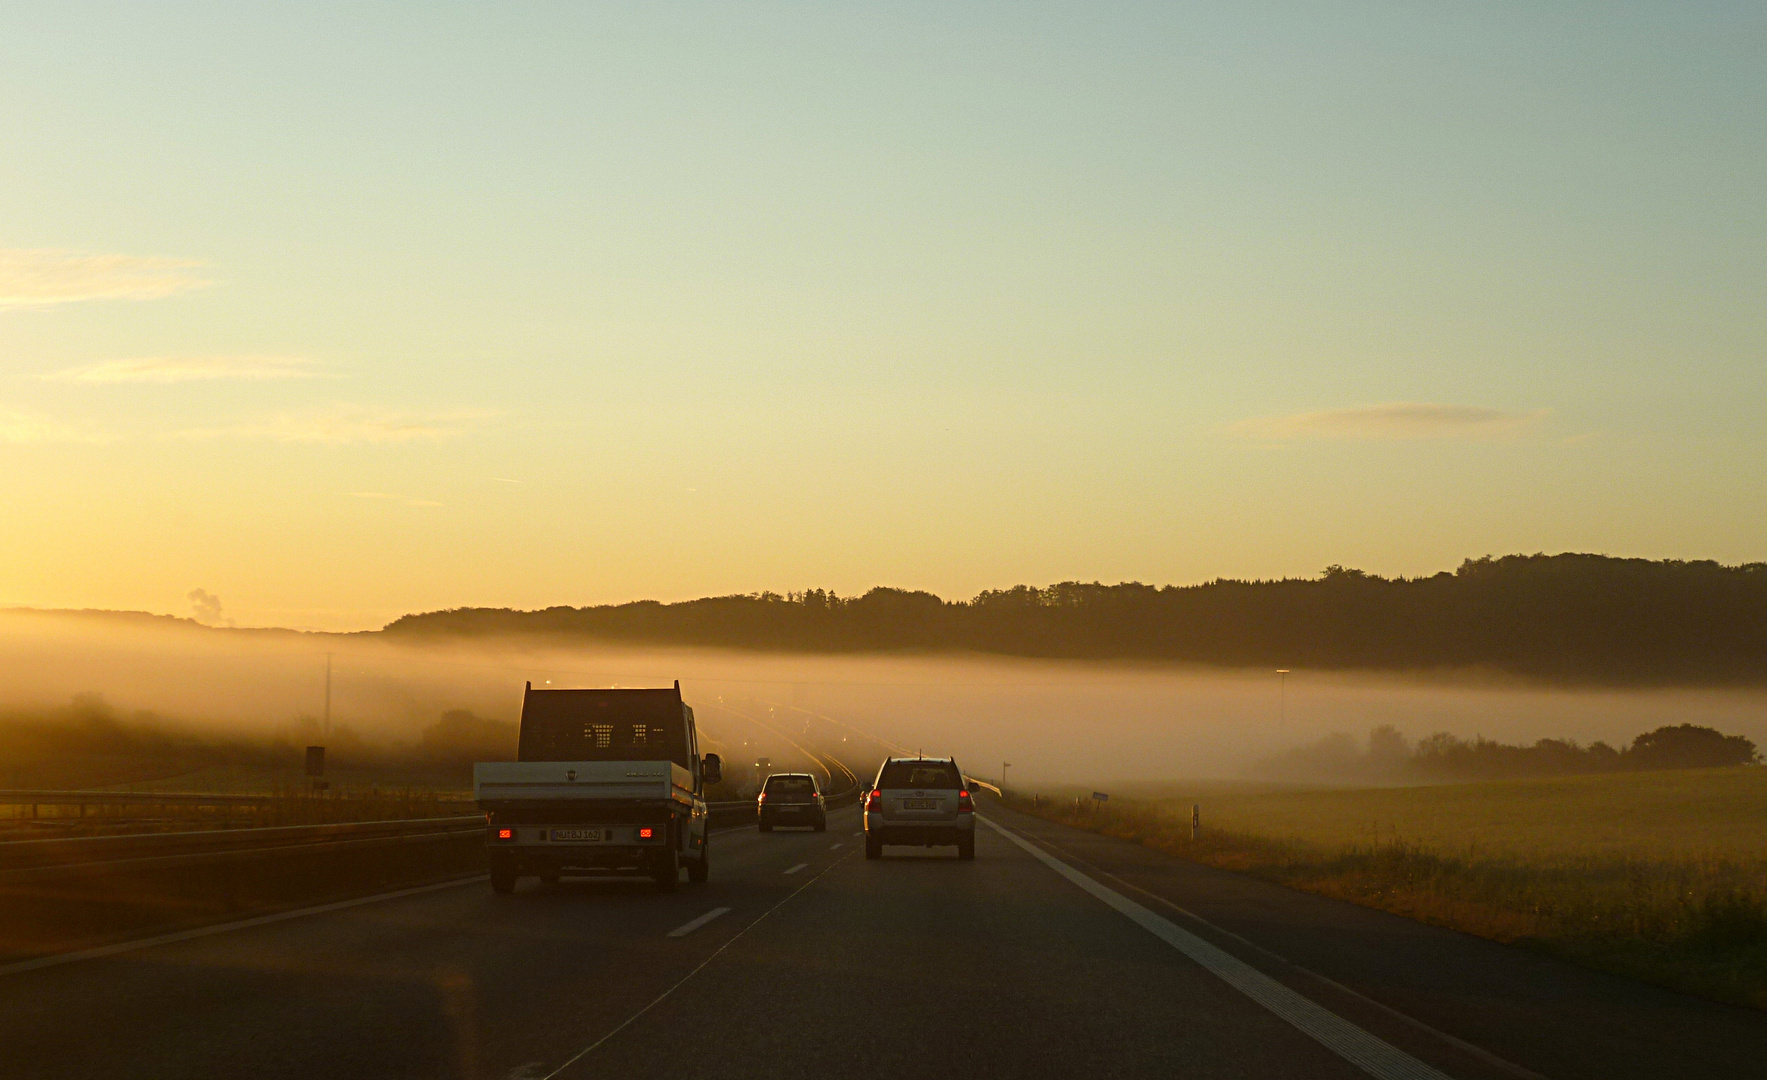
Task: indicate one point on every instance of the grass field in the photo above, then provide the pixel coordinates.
(1692, 811)
(1661, 876)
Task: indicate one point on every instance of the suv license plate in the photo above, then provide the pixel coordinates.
(920, 804)
(578, 834)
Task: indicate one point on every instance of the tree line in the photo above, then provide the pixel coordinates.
(1569, 617)
(1388, 756)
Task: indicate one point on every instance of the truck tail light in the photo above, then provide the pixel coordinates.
(963, 803)
(646, 833)
(874, 801)
(761, 798)
(506, 834)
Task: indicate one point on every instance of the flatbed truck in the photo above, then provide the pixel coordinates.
(604, 782)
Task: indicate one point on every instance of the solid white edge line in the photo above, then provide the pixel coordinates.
(687, 928)
(1372, 1055)
(798, 867)
(223, 928)
(1484, 1055)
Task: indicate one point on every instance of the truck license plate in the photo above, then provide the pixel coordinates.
(578, 834)
(920, 804)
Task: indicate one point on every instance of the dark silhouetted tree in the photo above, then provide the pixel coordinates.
(1687, 746)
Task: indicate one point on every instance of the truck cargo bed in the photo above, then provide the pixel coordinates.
(515, 782)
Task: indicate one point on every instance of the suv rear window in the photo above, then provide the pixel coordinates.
(794, 785)
(920, 774)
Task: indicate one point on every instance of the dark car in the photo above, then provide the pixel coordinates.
(792, 799)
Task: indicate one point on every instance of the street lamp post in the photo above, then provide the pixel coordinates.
(1003, 767)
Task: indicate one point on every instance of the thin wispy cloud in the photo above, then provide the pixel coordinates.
(35, 277)
(20, 428)
(1391, 421)
(180, 369)
(351, 424)
(384, 496)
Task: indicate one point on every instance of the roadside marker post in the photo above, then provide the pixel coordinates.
(1196, 818)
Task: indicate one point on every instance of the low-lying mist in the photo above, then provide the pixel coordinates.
(1056, 722)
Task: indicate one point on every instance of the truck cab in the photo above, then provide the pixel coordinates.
(604, 782)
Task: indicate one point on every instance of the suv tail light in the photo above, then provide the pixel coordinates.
(761, 798)
(963, 803)
(874, 801)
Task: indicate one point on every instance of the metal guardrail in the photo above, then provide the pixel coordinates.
(51, 797)
(45, 797)
(847, 795)
(23, 859)
(731, 815)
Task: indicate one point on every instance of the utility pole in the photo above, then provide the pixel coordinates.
(1282, 697)
(327, 726)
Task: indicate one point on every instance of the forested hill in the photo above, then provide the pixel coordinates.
(1584, 618)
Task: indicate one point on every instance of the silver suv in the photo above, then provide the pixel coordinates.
(919, 801)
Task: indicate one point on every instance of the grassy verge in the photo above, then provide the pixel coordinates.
(1683, 904)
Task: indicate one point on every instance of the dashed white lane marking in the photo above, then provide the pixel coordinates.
(223, 928)
(689, 927)
(719, 951)
(834, 845)
(1372, 1055)
(798, 867)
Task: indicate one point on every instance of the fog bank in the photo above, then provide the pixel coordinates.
(1054, 721)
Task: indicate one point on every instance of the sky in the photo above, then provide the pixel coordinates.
(316, 315)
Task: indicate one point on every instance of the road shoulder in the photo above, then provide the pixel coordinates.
(1514, 1008)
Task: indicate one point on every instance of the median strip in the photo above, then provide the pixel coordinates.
(1370, 1054)
(687, 928)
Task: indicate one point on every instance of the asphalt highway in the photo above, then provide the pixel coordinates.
(1054, 953)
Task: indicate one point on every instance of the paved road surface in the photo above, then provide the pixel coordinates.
(828, 965)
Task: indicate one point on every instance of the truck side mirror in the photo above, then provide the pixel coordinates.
(711, 769)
